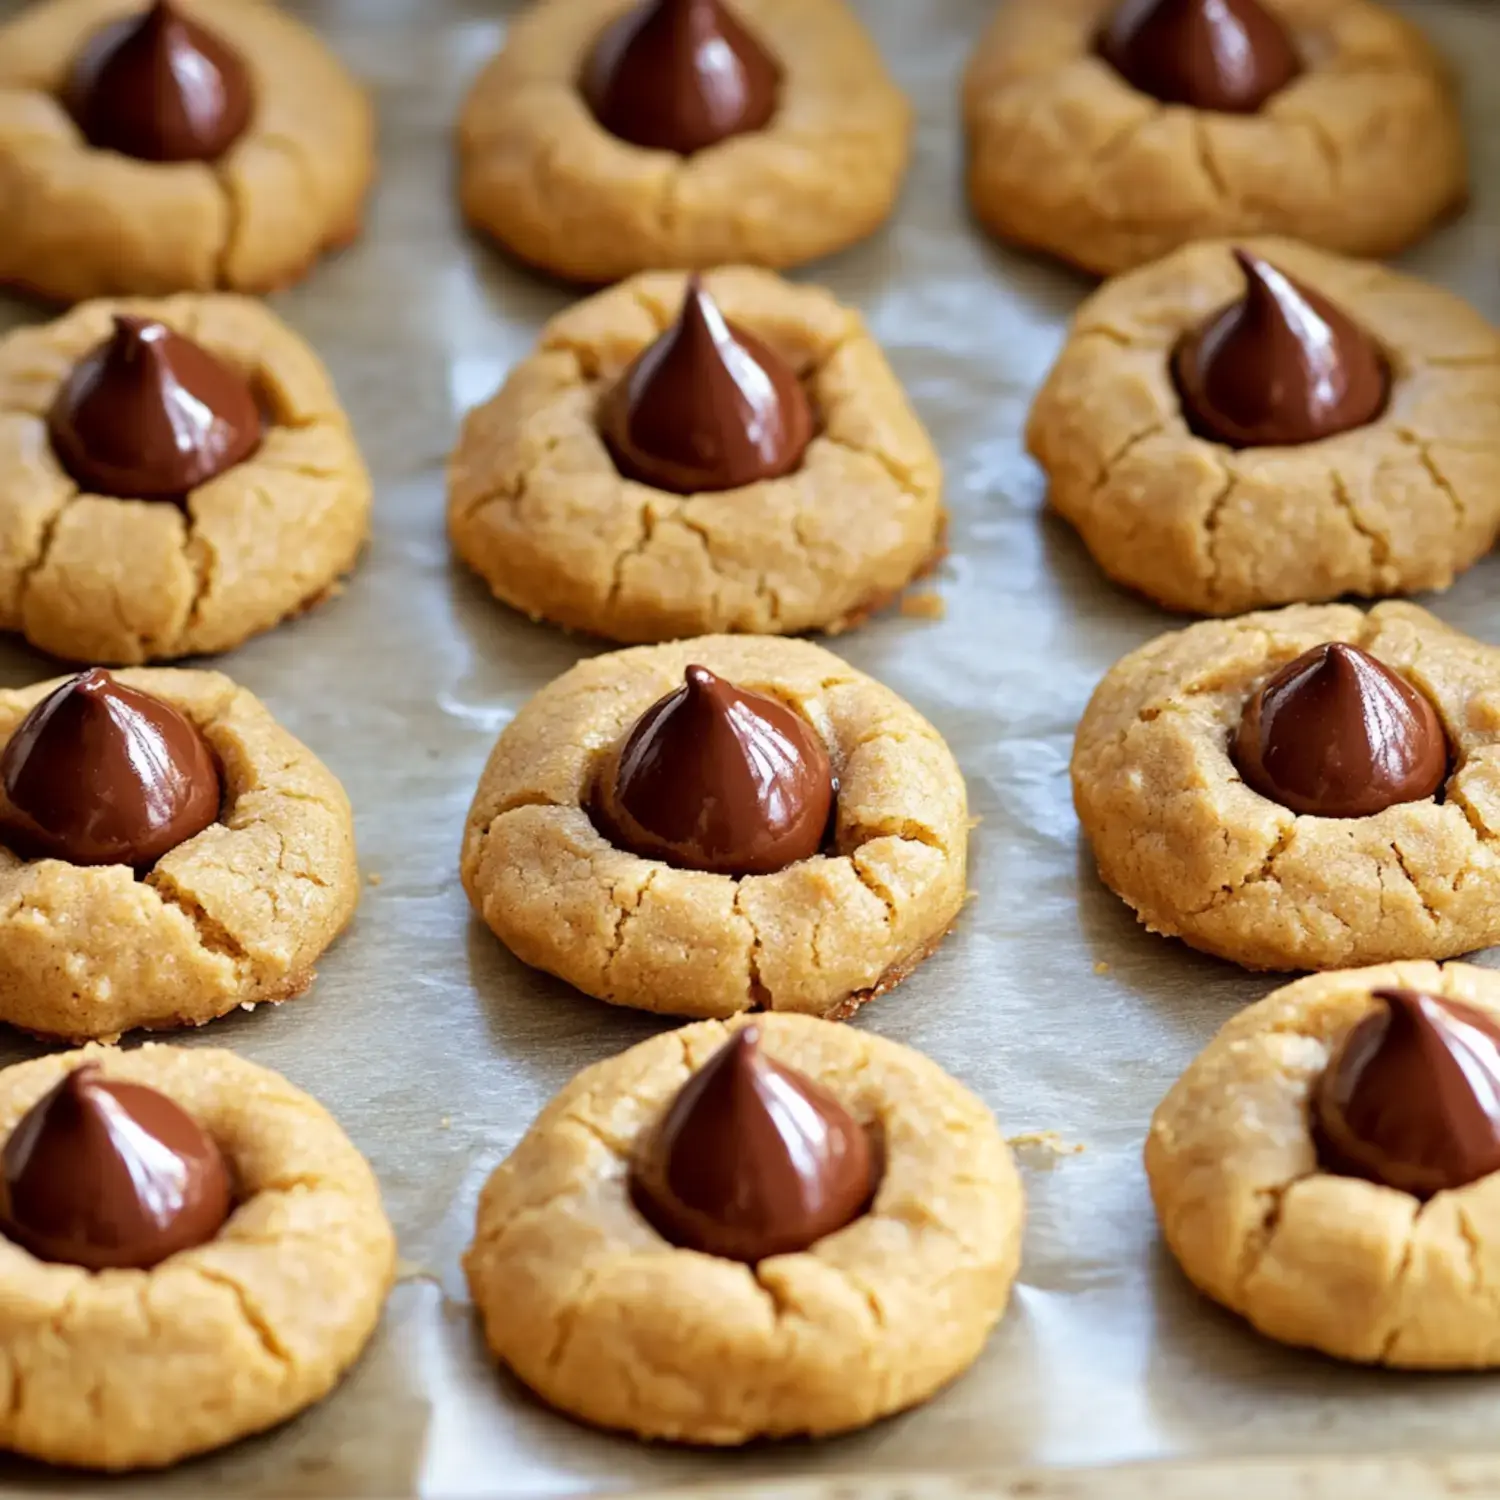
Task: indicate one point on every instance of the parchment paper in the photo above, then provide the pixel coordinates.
(435, 1048)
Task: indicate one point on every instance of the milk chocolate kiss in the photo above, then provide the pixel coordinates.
(1280, 367)
(1224, 55)
(715, 778)
(680, 75)
(102, 1173)
(100, 774)
(1411, 1096)
(752, 1159)
(706, 407)
(150, 415)
(160, 87)
(1335, 734)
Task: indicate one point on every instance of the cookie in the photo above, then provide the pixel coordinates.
(714, 780)
(621, 1325)
(167, 853)
(1326, 1168)
(1281, 500)
(147, 1327)
(125, 538)
(810, 517)
(1313, 788)
(182, 147)
(776, 137)
(1352, 140)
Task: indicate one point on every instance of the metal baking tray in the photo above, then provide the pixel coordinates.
(436, 1048)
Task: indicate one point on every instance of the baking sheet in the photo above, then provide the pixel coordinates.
(436, 1049)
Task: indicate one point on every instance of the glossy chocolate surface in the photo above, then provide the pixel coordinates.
(1228, 56)
(680, 75)
(105, 1174)
(160, 87)
(150, 415)
(1337, 734)
(1281, 367)
(753, 1159)
(1411, 1096)
(715, 778)
(707, 407)
(101, 774)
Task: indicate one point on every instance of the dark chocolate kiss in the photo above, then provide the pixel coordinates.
(753, 1159)
(1335, 734)
(103, 1173)
(160, 87)
(1280, 367)
(100, 774)
(1411, 1096)
(150, 415)
(715, 778)
(707, 407)
(680, 75)
(1224, 55)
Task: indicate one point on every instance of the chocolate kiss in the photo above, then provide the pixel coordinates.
(707, 407)
(102, 1173)
(150, 415)
(752, 1159)
(1224, 55)
(100, 774)
(1411, 1096)
(680, 75)
(160, 87)
(1335, 734)
(1280, 367)
(715, 778)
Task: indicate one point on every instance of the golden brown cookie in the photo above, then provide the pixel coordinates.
(236, 916)
(822, 935)
(98, 579)
(605, 1319)
(555, 188)
(84, 222)
(1399, 505)
(1200, 855)
(1363, 152)
(537, 506)
(1354, 1268)
(130, 1369)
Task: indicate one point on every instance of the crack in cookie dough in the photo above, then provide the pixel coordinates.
(236, 916)
(541, 176)
(90, 223)
(1200, 856)
(537, 507)
(1398, 506)
(1360, 1271)
(821, 936)
(1362, 154)
(603, 1318)
(138, 1369)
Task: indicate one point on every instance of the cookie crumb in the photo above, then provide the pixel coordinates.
(446, 1123)
(374, 878)
(1101, 967)
(924, 605)
(1043, 1148)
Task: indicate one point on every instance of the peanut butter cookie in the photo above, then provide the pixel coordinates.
(1327, 1168)
(720, 825)
(682, 457)
(1307, 789)
(147, 149)
(175, 477)
(167, 853)
(190, 1251)
(1241, 426)
(616, 136)
(1110, 134)
(808, 1270)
